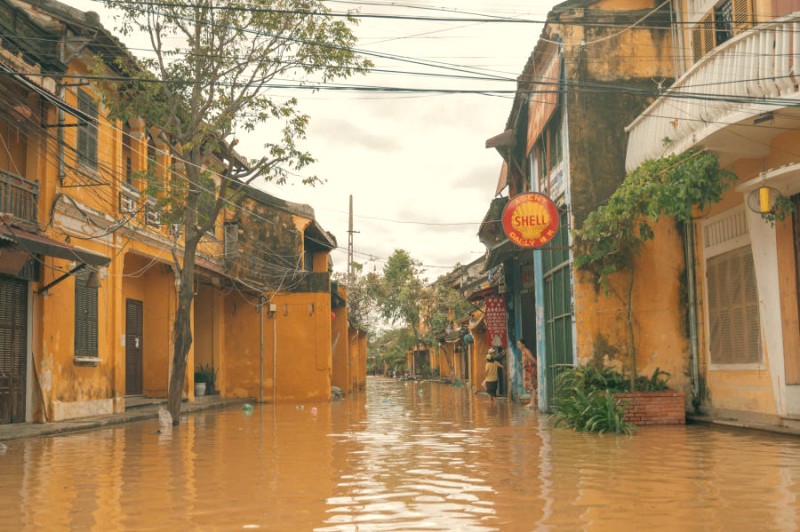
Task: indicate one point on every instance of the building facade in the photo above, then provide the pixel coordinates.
(743, 263)
(565, 138)
(87, 281)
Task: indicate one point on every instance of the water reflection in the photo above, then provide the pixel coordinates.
(405, 456)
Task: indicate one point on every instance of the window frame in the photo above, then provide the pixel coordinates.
(86, 343)
(736, 241)
(87, 134)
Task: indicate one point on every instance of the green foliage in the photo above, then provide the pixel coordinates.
(584, 397)
(402, 289)
(783, 207)
(206, 373)
(588, 378)
(657, 382)
(363, 298)
(393, 345)
(441, 302)
(593, 411)
(612, 234)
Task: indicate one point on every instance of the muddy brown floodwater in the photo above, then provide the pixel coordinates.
(402, 456)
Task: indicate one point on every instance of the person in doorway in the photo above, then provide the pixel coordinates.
(529, 365)
(492, 366)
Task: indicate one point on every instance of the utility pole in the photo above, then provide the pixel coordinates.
(350, 244)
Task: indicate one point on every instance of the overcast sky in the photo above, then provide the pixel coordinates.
(411, 161)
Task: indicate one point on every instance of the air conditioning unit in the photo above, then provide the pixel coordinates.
(152, 216)
(127, 204)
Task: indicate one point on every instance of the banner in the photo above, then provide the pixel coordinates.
(496, 321)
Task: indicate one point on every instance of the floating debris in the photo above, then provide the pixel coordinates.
(314, 411)
(3, 448)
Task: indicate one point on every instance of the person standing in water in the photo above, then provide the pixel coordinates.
(529, 365)
(491, 375)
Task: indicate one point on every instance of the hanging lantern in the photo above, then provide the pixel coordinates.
(762, 200)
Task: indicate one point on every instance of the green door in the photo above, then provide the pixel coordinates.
(557, 306)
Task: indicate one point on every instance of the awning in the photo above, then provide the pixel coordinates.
(480, 294)
(209, 266)
(42, 245)
(503, 140)
(502, 252)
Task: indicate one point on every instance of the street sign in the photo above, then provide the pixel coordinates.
(530, 220)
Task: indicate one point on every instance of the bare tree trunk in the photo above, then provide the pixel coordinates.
(631, 339)
(182, 330)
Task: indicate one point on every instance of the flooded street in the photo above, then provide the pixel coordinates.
(402, 456)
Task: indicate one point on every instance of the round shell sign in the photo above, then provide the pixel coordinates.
(530, 220)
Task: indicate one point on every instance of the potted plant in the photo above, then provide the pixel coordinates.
(199, 383)
(209, 376)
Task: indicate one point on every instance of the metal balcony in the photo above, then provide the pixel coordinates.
(19, 198)
(717, 102)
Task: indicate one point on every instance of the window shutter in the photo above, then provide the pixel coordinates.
(703, 37)
(87, 132)
(85, 317)
(734, 325)
(742, 15)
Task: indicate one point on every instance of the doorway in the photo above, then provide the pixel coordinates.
(134, 364)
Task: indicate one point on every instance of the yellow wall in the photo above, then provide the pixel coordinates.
(446, 361)
(362, 366)
(225, 327)
(659, 332)
(478, 351)
(303, 355)
(153, 284)
(340, 343)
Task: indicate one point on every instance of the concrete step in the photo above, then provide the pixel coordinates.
(791, 422)
(140, 401)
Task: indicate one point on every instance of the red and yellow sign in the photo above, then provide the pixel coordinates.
(530, 220)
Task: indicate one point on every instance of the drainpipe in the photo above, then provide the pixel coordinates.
(693, 337)
(274, 358)
(261, 348)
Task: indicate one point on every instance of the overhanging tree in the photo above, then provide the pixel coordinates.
(208, 78)
(402, 291)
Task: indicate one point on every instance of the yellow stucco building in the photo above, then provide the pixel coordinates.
(742, 297)
(86, 277)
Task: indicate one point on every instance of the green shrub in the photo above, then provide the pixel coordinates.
(593, 411)
(588, 378)
(584, 397)
(657, 382)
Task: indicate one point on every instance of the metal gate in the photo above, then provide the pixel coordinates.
(134, 364)
(13, 348)
(557, 306)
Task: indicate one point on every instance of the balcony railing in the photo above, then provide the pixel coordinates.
(18, 197)
(751, 74)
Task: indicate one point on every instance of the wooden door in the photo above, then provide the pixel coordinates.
(13, 348)
(133, 347)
